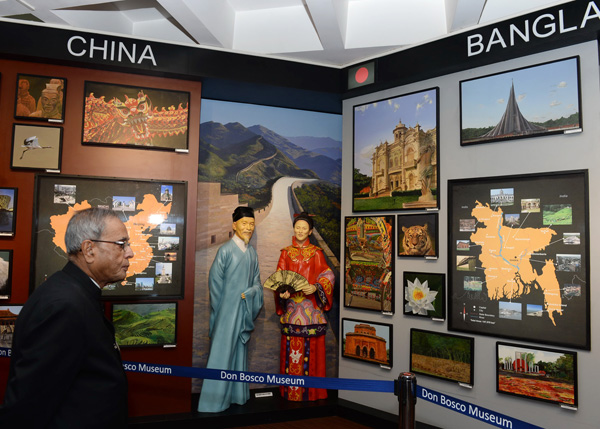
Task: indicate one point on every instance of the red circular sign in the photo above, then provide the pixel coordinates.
(361, 75)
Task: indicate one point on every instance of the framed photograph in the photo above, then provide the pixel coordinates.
(157, 269)
(396, 153)
(6, 268)
(444, 356)
(8, 318)
(418, 235)
(425, 295)
(528, 102)
(40, 98)
(145, 324)
(369, 263)
(537, 373)
(8, 211)
(133, 116)
(518, 249)
(36, 147)
(367, 341)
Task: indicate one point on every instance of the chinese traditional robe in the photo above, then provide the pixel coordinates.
(232, 273)
(303, 322)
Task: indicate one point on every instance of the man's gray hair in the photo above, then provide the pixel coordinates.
(86, 224)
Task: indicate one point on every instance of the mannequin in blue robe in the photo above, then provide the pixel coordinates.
(236, 298)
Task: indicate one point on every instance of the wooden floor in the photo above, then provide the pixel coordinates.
(333, 422)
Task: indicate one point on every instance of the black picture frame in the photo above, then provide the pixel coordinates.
(418, 235)
(144, 324)
(518, 257)
(40, 98)
(6, 269)
(396, 165)
(8, 319)
(8, 211)
(538, 373)
(157, 269)
(108, 109)
(425, 295)
(367, 341)
(458, 361)
(369, 263)
(546, 88)
(36, 147)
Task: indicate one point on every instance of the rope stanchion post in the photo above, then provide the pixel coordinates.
(406, 390)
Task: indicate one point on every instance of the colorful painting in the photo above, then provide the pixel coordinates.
(40, 98)
(537, 373)
(368, 341)
(139, 325)
(425, 295)
(369, 264)
(133, 116)
(396, 153)
(528, 102)
(444, 356)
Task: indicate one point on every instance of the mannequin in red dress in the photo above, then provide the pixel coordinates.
(303, 321)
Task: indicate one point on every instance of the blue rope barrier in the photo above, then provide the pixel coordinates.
(263, 378)
(471, 410)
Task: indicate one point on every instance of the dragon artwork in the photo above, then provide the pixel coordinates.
(134, 121)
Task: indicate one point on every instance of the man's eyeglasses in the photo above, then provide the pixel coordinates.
(123, 244)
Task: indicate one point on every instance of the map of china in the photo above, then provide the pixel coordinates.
(506, 256)
(150, 211)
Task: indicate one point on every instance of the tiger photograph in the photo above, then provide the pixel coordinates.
(417, 235)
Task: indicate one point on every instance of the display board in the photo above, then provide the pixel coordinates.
(153, 212)
(518, 257)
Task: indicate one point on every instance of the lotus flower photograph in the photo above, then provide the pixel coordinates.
(424, 294)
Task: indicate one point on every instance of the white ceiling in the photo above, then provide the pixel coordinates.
(335, 33)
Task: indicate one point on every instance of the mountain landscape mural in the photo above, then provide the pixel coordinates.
(278, 161)
(245, 160)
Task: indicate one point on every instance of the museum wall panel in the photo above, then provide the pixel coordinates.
(148, 394)
(550, 153)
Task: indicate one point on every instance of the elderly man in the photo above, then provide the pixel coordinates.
(65, 369)
(236, 298)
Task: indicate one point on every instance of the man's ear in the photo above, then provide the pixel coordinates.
(87, 250)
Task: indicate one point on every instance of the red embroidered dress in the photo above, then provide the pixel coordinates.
(303, 322)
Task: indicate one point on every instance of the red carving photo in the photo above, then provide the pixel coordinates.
(134, 116)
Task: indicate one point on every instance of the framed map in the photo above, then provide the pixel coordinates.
(156, 269)
(369, 263)
(518, 249)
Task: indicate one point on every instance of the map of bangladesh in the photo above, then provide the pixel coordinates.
(150, 213)
(506, 257)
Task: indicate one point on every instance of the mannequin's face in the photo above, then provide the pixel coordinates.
(302, 231)
(244, 228)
